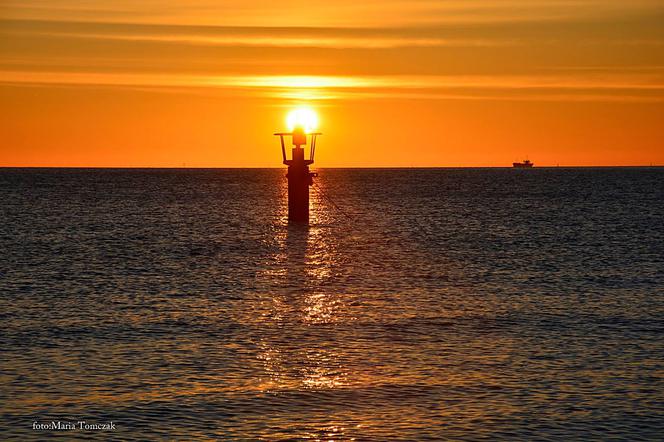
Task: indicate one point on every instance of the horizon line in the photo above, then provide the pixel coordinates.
(334, 167)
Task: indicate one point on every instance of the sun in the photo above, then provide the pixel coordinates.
(303, 117)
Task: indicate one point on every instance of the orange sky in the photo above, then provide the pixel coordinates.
(205, 83)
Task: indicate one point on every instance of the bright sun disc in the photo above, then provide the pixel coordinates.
(302, 117)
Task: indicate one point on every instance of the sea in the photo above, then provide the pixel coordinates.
(418, 304)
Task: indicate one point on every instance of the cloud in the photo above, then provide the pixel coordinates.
(584, 48)
(441, 49)
(239, 36)
(601, 87)
(347, 13)
(266, 40)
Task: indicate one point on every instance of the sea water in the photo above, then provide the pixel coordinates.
(460, 304)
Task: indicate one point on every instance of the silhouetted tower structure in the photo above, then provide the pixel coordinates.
(299, 177)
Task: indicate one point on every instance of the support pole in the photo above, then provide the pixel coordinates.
(299, 180)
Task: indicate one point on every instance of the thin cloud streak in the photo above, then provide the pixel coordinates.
(340, 42)
(599, 86)
(322, 13)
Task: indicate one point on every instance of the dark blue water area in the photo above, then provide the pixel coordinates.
(419, 304)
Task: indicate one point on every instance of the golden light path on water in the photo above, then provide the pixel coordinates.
(303, 264)
(306, 255)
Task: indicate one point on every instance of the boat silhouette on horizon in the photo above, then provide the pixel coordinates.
(527, 164)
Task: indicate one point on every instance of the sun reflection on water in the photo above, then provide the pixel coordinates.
(302, 264)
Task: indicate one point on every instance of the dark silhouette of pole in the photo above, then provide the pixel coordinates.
(299, 177)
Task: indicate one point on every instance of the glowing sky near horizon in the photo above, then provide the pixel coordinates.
(396, 83)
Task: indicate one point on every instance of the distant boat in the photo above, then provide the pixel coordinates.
(525, 165)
